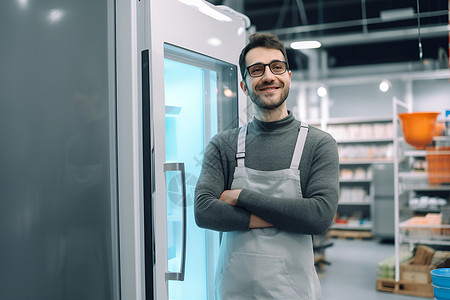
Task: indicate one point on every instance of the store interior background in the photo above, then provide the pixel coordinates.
(61, 79)
(364, 42)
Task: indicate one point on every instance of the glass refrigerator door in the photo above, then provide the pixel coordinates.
(200, 100)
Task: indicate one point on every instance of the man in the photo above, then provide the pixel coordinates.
(269, 186)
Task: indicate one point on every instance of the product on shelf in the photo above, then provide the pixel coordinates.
(426, 202)
(346, 174)
(438, 165)
(418, 128)
(428, 227)
(354, 195)
(366, 151)
(357, 173)
(363, 131)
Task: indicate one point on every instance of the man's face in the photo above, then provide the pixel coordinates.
(268, 91)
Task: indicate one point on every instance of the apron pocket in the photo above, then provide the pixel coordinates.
(256, 276)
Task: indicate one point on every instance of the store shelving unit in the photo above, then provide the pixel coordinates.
(362, 143)
(356, 198)
(412, 229)
(424, 234)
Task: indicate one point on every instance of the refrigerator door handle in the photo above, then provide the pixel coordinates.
(179, 166)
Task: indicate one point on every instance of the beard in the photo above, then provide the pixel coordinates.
(269, 105)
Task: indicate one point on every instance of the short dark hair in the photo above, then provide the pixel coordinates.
(267, 40)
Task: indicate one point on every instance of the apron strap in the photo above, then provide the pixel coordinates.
(240, 154)
(301, 138)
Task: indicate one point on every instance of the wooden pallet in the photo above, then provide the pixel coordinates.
(350, 234)
(405, 287)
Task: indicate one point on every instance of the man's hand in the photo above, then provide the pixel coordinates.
(230, 196)
(257, 222)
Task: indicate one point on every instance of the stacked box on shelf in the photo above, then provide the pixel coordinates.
(361, 131)
(428, 227)
(438, 165)
(386, 268)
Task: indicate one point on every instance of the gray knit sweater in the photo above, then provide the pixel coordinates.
(269, 146)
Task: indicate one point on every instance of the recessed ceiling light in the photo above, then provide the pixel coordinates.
(322, 91)
(385, 85)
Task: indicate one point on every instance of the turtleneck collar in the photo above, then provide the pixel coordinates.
(276, 125)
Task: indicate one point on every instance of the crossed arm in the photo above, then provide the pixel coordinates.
(221, 209)
(231, 196)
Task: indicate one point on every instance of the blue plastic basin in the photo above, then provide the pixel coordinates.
(441, 293)
(441, 277)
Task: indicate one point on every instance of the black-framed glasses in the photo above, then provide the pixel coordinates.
(277, 67)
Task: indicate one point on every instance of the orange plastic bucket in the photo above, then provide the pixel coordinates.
(418, 128)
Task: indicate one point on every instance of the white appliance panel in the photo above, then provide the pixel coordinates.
(186, 27)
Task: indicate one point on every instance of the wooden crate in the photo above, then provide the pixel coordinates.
(405, 287)
(416, 273)
(421, 273)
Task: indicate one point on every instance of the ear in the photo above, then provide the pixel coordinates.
(244, 87)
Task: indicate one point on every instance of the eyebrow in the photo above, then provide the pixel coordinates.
(275, 60)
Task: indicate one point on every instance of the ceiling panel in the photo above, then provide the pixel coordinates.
(357, 31)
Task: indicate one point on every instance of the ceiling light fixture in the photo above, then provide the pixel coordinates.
(385, 85)
(302, 45)
(322, 91)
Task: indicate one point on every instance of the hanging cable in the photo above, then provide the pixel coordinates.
(302, 12)
(364, 15)
(282, 14)
(418, 27)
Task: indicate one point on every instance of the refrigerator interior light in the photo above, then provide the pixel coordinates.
(55, 15)
(228, 93)
(23, 3)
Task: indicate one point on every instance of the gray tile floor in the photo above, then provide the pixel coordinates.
(352, 274)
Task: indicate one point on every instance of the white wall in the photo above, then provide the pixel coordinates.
(363, 98)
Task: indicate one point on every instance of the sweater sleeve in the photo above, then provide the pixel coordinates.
(210, 212)
(314, 212)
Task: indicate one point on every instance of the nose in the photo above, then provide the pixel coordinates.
(268, 75)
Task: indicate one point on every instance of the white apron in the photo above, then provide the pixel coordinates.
(267, 263)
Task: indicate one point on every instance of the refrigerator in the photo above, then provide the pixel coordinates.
(193, 84)
(106, 109)
(194, 112)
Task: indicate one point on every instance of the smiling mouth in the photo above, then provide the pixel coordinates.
(269, 88)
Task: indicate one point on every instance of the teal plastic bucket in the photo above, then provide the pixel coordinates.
(441, 277)
(441, 293)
